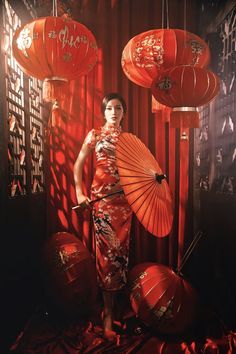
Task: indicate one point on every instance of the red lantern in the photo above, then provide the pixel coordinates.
(55, 49)
(148, 53)
(161, 298)
(70, 274)
(184, 88)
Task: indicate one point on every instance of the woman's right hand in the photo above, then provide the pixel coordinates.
(83, 201)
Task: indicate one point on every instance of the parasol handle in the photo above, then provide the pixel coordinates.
(190, 249)
(159, 178)
(100, 198)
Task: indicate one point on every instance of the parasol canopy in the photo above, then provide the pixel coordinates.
(144, 185)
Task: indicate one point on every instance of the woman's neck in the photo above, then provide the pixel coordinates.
(111, 126)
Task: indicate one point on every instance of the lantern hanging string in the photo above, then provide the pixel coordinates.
(164, 14)
(185, 22)
(54, 8)
(185, 16)
(167, 15)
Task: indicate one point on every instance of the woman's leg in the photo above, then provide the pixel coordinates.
(108, 299)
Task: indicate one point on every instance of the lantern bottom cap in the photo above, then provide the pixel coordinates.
(185, 109)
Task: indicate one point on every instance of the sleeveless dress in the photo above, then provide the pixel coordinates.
(112, 215)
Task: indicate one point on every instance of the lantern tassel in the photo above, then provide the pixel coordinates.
(186, 117)
(57, 115)
(55, 89)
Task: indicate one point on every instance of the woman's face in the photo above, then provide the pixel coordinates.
(114, 112)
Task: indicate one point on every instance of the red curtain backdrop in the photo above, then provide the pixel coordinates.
(114, 23)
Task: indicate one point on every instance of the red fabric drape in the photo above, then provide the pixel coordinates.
(114, 23)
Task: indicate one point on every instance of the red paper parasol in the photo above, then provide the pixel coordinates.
(144, 185)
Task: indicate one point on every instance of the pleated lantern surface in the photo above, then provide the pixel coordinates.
(161, 298)
(55, 50)
(149, 53)
(184, 88)
(70, 274)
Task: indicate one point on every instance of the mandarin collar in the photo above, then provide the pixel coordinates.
(110, 128)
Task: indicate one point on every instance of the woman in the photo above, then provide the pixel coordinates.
(112, 215)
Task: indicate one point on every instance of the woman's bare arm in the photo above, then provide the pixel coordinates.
(78, 174)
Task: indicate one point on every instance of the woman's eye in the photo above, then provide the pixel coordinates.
(115, 108)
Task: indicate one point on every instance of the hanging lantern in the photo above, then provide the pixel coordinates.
(184, 88)
(55, 50)
(161, 298)
(150, 52)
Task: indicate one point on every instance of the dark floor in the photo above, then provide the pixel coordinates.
(48, 331)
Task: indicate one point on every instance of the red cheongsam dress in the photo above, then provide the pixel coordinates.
(112, 215)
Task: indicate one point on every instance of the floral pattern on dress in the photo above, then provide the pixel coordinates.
(112, 215)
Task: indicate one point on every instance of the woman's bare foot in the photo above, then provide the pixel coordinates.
(108, 333)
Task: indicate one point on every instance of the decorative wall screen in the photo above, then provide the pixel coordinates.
(36, 135)
(215, 141)
(24, 118)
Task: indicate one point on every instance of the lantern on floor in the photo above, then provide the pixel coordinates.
(150, 52)
(70, 274)
(184, 88)
(161, 298)
(55, 50)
